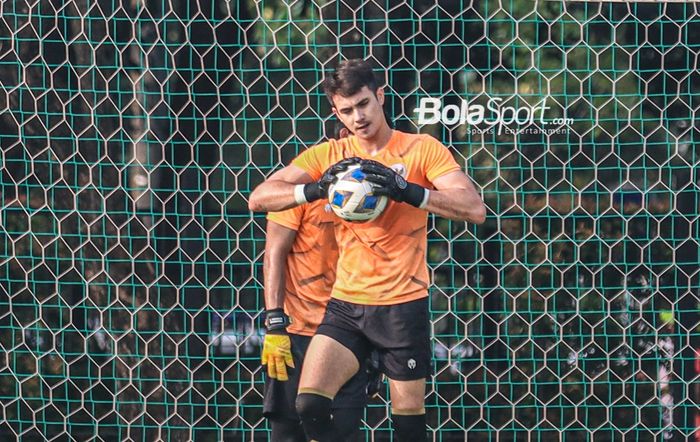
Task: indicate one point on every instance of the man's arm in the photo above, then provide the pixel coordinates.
(292, 186)
(277, 345)
(455, 197)
(278, 244)
(277, 192)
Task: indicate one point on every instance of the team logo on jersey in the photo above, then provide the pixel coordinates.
(399, 168)
(327, 208)
(411, 363)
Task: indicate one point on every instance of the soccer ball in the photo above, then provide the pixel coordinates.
(351, 196)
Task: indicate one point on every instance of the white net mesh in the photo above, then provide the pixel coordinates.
(132, 134)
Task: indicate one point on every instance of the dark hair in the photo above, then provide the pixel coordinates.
(338, 126)
(348, 78)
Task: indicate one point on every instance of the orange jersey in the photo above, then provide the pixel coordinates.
(383, 262)
(310, 264)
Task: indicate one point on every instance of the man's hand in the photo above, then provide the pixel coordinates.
(277, 347)
(388, 182)
(319, 189)
(277, 355)
(375, 378)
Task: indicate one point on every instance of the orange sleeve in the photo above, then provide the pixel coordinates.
(290, 218)
(437, 160)
(313, 160)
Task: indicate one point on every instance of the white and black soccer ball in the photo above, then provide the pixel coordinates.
(351, 196)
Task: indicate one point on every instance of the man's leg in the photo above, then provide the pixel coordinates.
(408, 409)
(346, 422)
(280, 396)
(349, 405)
(401, 332)
(327, 366)
(286, 430)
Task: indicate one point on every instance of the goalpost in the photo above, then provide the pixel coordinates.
(131, 270)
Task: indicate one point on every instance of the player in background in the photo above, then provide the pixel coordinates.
(380, 296)
(299, 269)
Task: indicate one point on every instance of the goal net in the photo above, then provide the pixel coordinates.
(132, 134)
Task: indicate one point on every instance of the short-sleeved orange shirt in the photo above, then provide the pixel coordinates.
(310, 264)
(383, 262)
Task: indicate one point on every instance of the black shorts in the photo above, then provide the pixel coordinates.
(400, 333)
(280, 397)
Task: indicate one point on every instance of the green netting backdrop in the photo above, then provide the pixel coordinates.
(130, 268)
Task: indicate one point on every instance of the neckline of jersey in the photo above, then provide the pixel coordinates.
(380, 152)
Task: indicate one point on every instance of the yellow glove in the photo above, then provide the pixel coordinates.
(277, 355)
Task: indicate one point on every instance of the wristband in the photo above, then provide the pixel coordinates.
(425, 199)
(299, 195)
(312, 192)
(276, 319)
(415, 195)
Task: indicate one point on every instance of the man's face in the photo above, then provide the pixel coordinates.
(362, 112)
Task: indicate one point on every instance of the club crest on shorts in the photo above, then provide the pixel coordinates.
(411, 363)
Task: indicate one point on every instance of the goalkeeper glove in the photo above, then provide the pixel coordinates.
(319, 189)
(388, 182)
(375, 378)
(277, 347)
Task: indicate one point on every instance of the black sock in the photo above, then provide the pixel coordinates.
(346, 422)
(286, 430)
(315, 413)
(410, 427)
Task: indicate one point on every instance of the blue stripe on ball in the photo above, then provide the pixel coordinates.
(357, 174)
(338, 199)
(370, 202)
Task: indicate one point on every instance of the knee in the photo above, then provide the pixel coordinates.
(311, 406)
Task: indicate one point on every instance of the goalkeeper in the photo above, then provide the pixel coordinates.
(380, 296)
(299, 268)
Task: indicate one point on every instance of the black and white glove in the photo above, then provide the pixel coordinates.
(306, 193)
(375, 377)
(388, 182)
